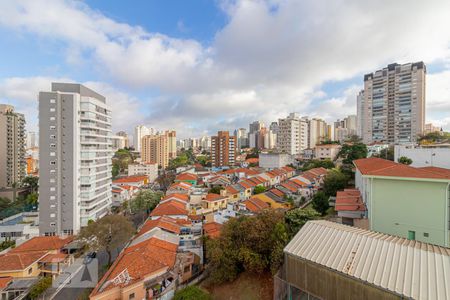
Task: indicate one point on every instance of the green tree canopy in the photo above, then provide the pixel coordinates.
(144, 202)
(317, 163)
(259, 189)
(387, 153)
(296, 218)
(334, 181)
(216, 189)
(247, 243)
(32, 182)
(107, 233)
(192, 292)
(351, 152)
(320, 202)
(405, 160)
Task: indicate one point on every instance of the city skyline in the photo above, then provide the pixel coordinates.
(199, 84)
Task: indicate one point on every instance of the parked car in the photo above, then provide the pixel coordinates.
(89, 257)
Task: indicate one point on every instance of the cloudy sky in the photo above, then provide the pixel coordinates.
(202, 65)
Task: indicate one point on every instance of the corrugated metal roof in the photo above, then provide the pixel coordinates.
(409, 268)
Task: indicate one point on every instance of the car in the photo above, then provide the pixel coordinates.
(89, 257)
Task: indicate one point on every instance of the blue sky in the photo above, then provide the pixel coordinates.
(199, 66)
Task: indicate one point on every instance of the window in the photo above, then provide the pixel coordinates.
(53, 224)
(52, 180)
(53, 162)
(52, 215)
(52, 100)
(52, 171)
(30, 270)
(52, 136)
(52, 189)
(411, 235)
(52, 118)
(52, 153)
(426, 234)
(52, 127)
(52, 145)
(52, 205)
(131, 296)
(52, 109)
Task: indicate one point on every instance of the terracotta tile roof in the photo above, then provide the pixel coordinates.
(166, 223)
(299, 182)
(246, 184)
(4, 282)
(271, 174)
(19, 261)
(195, 217)
(441, 171)
(255, 205)
(139, 261)
(169, 208)
(181, 185)
(53, 258)
(128, 179)
(349, 200)
(213, 197)
(381, 167)
(253, 160)
(128, 187)
(43, 243)
(288, 169)
(289, 187)
(318, 171)
(117, 191)
(186, 176)
(231, 190)
(308, 176)
(277, 192)
(212, 229)
(182, 197)
(219, 178)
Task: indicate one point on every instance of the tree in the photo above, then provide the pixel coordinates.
(32, 199)
(115, 170)
(165, 179)
(106, 234)
(31, 182)
(316, 163)
(405, 160)
(192, 292)
(351, 152)
(296, 218)
(259, 189)
(320, 202)
(40, 287)
(247, 243)
(386, 153)
(216, 189)
(144, 202)
(334, 181)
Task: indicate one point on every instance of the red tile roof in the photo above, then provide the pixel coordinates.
(253, 160)
(247, 184)
(299, 182)
(349, 200)
(255, 205)
(136, 178)
(169, 208)
(19, 261)
(139, 261)
(318, 171)
(212, 229)
(381, 167)
(4, 281)
(214, 197)
(43, 243)
(277, 192)
(186, 176)
(53, 258)
(231, 190)
(441, 171)
(289, 187)
(288, 169)
(181, 185)
(166, 223)
(182, 197)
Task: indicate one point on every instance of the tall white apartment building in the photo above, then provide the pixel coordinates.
(139, 132)
(392, 108)
(361, 114)
(242, 138)
(318, 131)
(75, 158)
(292, 134)
(12, 146)
(205, 143)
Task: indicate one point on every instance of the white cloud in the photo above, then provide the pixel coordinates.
(271, 58)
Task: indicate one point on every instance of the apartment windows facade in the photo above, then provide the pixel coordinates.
(155, 149)
(75, 160)
(293, 134)
(12, 146)
(223, 149)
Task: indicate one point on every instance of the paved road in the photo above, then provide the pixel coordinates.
(71, 293)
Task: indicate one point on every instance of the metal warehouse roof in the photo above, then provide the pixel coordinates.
(409, 268)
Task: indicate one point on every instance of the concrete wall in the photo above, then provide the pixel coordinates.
(399, 206)
(424, 157)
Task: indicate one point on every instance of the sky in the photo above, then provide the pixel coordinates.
(200, 66)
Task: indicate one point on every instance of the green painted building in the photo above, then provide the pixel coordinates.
(409, 202)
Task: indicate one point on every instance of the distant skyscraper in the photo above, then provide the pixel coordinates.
(32, 140)
(223, 149)
(255, 126)
(361, 114)
(126, 139)
(75, 158)
(318, 132)
(155, 149)
(393, 106)
(12, 146)
(292, 134)
(172, 143)
(274, 127)
(205, 143)
(345, 128)
(139, 132)
(242, 138)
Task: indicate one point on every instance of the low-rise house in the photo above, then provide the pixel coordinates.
(148, 169)
(349, 206)
(119, 195)
(187, 177)
(255, 205)
(212, 229)
(182, 198)
(171, 208)
(213, 202)
(136, 181)
(273, 202)
(328, 151)
(179, 188)
(327, 260)
(232, 193)
(394, 196)
(16, 288)
(218, 180)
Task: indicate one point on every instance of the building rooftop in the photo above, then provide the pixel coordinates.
(186, 176)
(43, 243)
(255, 205)
(408, 268)
(19, 261)
(128, 179)
(212, 229)
(169, 208)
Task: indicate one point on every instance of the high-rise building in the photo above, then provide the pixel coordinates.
(223, 149)
(242, 138)
(393, 107)
(292, 134)
(126, 139)
(118, 142)
(345, 128)
(12, 146)
(361, 114)
(139, 132)
(32, 140)
(318, 132)
(205, 143)
(75, 158)
(155, 149)
(429, 128)
(172, 143)
(255, 126)
(274, 127)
